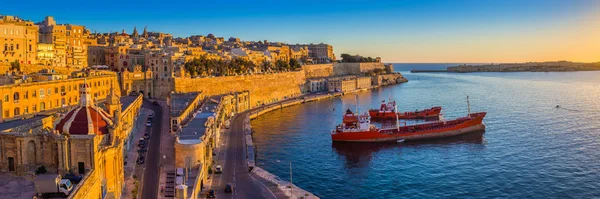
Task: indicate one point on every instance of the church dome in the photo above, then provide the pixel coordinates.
(86, 119)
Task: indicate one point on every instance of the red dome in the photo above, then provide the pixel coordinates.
(84, 121)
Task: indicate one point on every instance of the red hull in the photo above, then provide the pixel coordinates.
(434, 130)
(421, 114)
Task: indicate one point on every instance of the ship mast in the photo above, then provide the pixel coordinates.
(468, 107)
(396, 114)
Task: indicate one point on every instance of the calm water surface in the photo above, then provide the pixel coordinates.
(530, 148)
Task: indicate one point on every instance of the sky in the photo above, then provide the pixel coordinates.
(398, 31)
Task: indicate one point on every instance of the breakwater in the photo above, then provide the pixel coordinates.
(561, 66)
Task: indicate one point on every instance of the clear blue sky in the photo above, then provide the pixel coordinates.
(396, 30)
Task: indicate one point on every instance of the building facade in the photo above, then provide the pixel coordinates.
(18, 40)
(27, 99)
(87, 141)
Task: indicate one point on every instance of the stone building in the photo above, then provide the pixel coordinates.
(28, 99)
(45, 54)
(88, 141)
(70, 42)
(317, 85)
(137, 81)
(76, 46)
(341, 84)
(318, 53)
(363, 82)
(96, 55)
(199, 131)
(18, 40)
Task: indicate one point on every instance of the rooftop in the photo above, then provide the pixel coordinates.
(196, 128)
(127, 100)
(16, 123)
(181, 101)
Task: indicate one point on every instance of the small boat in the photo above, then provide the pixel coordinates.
(387, 111)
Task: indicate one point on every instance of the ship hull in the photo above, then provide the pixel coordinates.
(391, 135)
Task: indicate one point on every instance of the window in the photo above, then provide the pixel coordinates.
(16, 97)
(17, 46)
(30, 47)
(34, 108)
(6, 113)
(33, 94)
(17, 111)
(49, 91)
(42, 106)
(6, 99)
(55, 89)
(26, 110)
(26, 95)
(41, 93)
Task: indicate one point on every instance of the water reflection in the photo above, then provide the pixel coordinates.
(359, 155)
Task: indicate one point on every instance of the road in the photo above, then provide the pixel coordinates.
(151, 173)
(235, 168)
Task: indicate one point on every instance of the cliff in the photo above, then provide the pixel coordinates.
(528, 67)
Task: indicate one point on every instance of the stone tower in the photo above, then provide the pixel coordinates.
(113, 105)
(145, 33)
(135, 32)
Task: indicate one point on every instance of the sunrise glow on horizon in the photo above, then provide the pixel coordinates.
(397, 31)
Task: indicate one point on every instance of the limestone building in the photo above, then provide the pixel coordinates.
(18, 40)
(28, 99)
(88, 141)
(70, 42)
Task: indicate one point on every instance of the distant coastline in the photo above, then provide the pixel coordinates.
(559, 66)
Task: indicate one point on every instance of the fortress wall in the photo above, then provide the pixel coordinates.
(263, 88)
(318, 70)
(355, 68)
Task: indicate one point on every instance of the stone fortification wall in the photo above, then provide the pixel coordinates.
(318, 70)
(263, 88)
(339, 69)
(30, 68)
(355, 68)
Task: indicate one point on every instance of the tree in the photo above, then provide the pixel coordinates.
(294, 64)
(15, 66)
(282, 65)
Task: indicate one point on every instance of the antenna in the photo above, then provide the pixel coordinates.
(396, 114)
(356, 102)
(468, 107)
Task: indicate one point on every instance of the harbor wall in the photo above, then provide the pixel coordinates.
(339, 69)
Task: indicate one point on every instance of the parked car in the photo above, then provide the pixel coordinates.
(151, 116)
(218, 169)
(146, 135)
(73, 178)
(210, 194)
(141, 160)
(149, 123)
(228, 188)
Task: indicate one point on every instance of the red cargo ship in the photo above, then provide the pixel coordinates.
(357, 128)
(388, 111)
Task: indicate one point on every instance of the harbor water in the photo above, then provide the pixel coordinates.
(530, 149)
